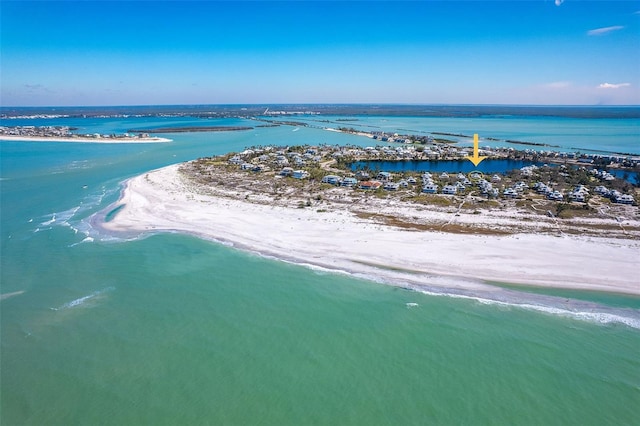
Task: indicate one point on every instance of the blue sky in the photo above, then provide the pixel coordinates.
(473, 52)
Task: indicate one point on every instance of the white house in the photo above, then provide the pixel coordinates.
(430, 188)
(300, 174)
(450, 189)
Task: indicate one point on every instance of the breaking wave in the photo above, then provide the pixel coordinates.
(75, 217)
(82, 300)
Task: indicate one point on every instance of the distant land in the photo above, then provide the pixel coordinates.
(217, 111)
(191, 129)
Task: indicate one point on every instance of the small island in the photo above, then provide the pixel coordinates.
(312, 205)
(192, 129)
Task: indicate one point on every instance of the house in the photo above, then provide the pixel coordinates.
(624, 199)
(475, 176)
(332, 179)
(542, 188)
(601, 190)
(510, 193)
(362, 175)
(520, 186)
(349, 181)
(450, 189)
(577, 196)
(493, 193)
(555, 196)
(236, 160)
(300, 174)
(430, 188)
(384, 176)
(287, 171)
(370, 185)
(391, 186)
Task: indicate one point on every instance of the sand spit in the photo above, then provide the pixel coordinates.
(362, 238)
(82, 139)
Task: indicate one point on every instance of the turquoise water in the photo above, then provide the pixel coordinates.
(566, 134)
(171, 329)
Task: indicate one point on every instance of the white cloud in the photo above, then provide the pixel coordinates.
(613, 86)
(559, 2)
(605, 30)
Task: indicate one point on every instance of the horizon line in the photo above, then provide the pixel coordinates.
(329, 104)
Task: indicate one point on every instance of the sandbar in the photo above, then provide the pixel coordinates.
(337, 239)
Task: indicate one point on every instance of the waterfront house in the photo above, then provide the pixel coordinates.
(236, 160)
(475, 175)
(384, 176)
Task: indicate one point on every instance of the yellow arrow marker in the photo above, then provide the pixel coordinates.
(476, 159)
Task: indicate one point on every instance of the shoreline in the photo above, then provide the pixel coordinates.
(337, 239)
(12, 138)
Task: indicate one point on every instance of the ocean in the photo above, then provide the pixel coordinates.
(171, 329)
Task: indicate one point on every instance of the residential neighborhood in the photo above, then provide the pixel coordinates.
(552, 189)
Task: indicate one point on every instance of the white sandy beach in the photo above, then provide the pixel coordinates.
(83, 140)
(164, 200)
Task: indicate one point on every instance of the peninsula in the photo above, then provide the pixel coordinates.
(398, 235)
(64, 134)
